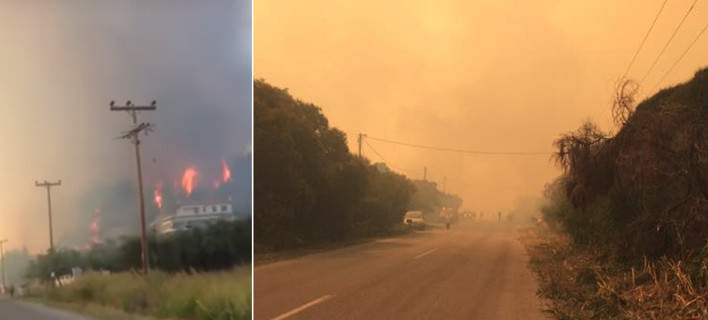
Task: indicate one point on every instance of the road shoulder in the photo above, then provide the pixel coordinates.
(86, 311)
(266, 258)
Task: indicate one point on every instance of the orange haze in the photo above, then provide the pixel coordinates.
(486, 75)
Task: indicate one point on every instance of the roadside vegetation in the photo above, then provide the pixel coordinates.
(629, 215)
(213, 295)
(197, 274)
(310, 190)
(219, 247)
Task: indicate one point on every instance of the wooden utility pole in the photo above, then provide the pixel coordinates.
(2, 261)
(425, 173)
(134, 135)
(48, 185)
(361, 140)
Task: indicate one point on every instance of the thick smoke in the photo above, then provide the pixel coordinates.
(468, 74)
(71, 59)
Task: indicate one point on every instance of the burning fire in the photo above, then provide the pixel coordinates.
(225, 172)
(189, 180)
(158, 195)
(95, 227)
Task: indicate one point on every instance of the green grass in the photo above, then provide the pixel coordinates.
(214, 295)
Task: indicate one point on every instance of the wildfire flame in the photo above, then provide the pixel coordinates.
(95, 227)
(158, 195)
(189, 180)
(225, 172)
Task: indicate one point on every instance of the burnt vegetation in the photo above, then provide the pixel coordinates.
(634, 206)
(643, 191)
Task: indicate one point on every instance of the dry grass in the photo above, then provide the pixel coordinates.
(586, 284)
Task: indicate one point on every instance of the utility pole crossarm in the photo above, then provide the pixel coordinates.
(129, 106)
(135, 108)
(47, 183)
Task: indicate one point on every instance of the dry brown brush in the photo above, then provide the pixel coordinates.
(580, 283)
(633, 211)
(649, 182)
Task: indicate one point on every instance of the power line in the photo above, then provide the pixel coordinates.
(376, 152)
(406, 172)
(444, 149)
(641, 45)
(384, 159)
(681, 57)
(688, 12)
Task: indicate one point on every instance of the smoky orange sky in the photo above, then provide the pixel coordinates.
(485, 75)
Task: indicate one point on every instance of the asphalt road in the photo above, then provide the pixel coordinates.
(473, 271)
(11, 309)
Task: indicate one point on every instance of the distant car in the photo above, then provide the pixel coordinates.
(414, 219)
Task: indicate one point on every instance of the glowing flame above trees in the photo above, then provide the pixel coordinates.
(225, 172)
(189, 180)
(158, 195)
(95, 227)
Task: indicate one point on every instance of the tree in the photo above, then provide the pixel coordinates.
(308, 187)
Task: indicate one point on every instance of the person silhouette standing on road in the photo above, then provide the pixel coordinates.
(499, 215)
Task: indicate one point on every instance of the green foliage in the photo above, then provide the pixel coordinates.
(213, 296)
(220, 246)
(60, 262)
(308, 187)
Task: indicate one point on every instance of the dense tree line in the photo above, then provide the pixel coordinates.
(308, 187)
(219, 246)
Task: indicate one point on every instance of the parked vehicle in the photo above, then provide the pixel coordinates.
(414, 219)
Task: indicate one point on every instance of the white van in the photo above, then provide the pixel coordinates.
(414, 219)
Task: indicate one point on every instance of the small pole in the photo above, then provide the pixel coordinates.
(2, 259)
(360, 140)
(48, 185)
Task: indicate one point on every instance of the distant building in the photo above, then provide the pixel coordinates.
(193, 216)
